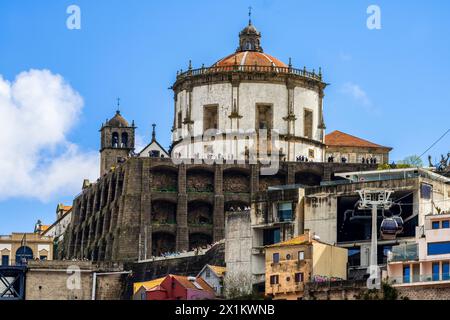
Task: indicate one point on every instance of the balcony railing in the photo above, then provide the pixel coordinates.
(414, 279)
(404, 253)
(250, 68)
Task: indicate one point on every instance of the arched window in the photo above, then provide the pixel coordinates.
(23, 254)
(115, 140)
(124, 140)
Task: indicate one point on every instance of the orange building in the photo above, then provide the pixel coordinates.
(342, 147)
(291, 264)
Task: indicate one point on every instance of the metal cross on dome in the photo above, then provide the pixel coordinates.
(118, 104)
(250, 15)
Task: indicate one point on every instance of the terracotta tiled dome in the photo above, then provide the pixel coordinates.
(250, 58)
(118, 121)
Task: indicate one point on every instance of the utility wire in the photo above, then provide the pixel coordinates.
(436, 142)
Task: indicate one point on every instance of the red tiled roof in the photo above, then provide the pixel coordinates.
(185, 282)
(341, 139)
(250, 58)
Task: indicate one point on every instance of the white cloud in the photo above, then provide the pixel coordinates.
(345, 56)
(360, 96)
(38, 110)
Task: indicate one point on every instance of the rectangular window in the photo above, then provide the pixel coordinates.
(285, 211)
(180, 120)
(406, 274)
(264, 117)
(276, 257)
(354, 257)
(308, 124)
(438, 248)
(208, 273)
(445, 224)
(210, 118)
(154, 154)
(5, 260)
(301, 255)
(445, 270)
(435, 225)
(271, 236)
(299, 277)
(435, 271)
(43, 258)
(274, 279)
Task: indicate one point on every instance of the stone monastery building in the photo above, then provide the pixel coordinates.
(148, 204)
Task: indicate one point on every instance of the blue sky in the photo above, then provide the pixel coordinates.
(390, 86)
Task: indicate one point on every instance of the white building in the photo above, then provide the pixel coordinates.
(59, 227)
(213, 275)
(427, 261)
(245, 95)
(154, 149)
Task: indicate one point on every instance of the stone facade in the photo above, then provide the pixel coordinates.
(70, 280)
(243, 94)
(117, 141)
(29, 246)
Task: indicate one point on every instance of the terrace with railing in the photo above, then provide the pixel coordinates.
(250, 69)
(403, 253)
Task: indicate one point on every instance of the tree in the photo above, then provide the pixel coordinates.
(413, 161)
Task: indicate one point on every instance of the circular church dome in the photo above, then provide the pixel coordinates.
(250, 58)
(118, 121)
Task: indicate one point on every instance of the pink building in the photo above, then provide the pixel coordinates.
(173, 287)
(427, 261)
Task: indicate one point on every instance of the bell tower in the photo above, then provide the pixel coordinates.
(117, 142)
(250, 37)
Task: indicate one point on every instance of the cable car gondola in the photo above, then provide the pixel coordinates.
(389, 229)
(399, 221)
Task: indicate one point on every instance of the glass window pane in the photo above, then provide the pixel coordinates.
(285, 211)
(445, 271)
(276, 257)
(426, 190)
(435, 271)
(435, 225)
(301, 255)
(406, 273)
(439, 248)
(445, 224)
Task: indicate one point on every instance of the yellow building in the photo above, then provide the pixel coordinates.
(291, 264)
(19, 247)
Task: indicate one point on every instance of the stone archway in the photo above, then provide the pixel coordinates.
(23, 254)
(163, 242)
(200, 213)
(164, 212)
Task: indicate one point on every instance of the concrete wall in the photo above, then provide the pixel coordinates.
(321, 217)
(238, 252)
(329, 261)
